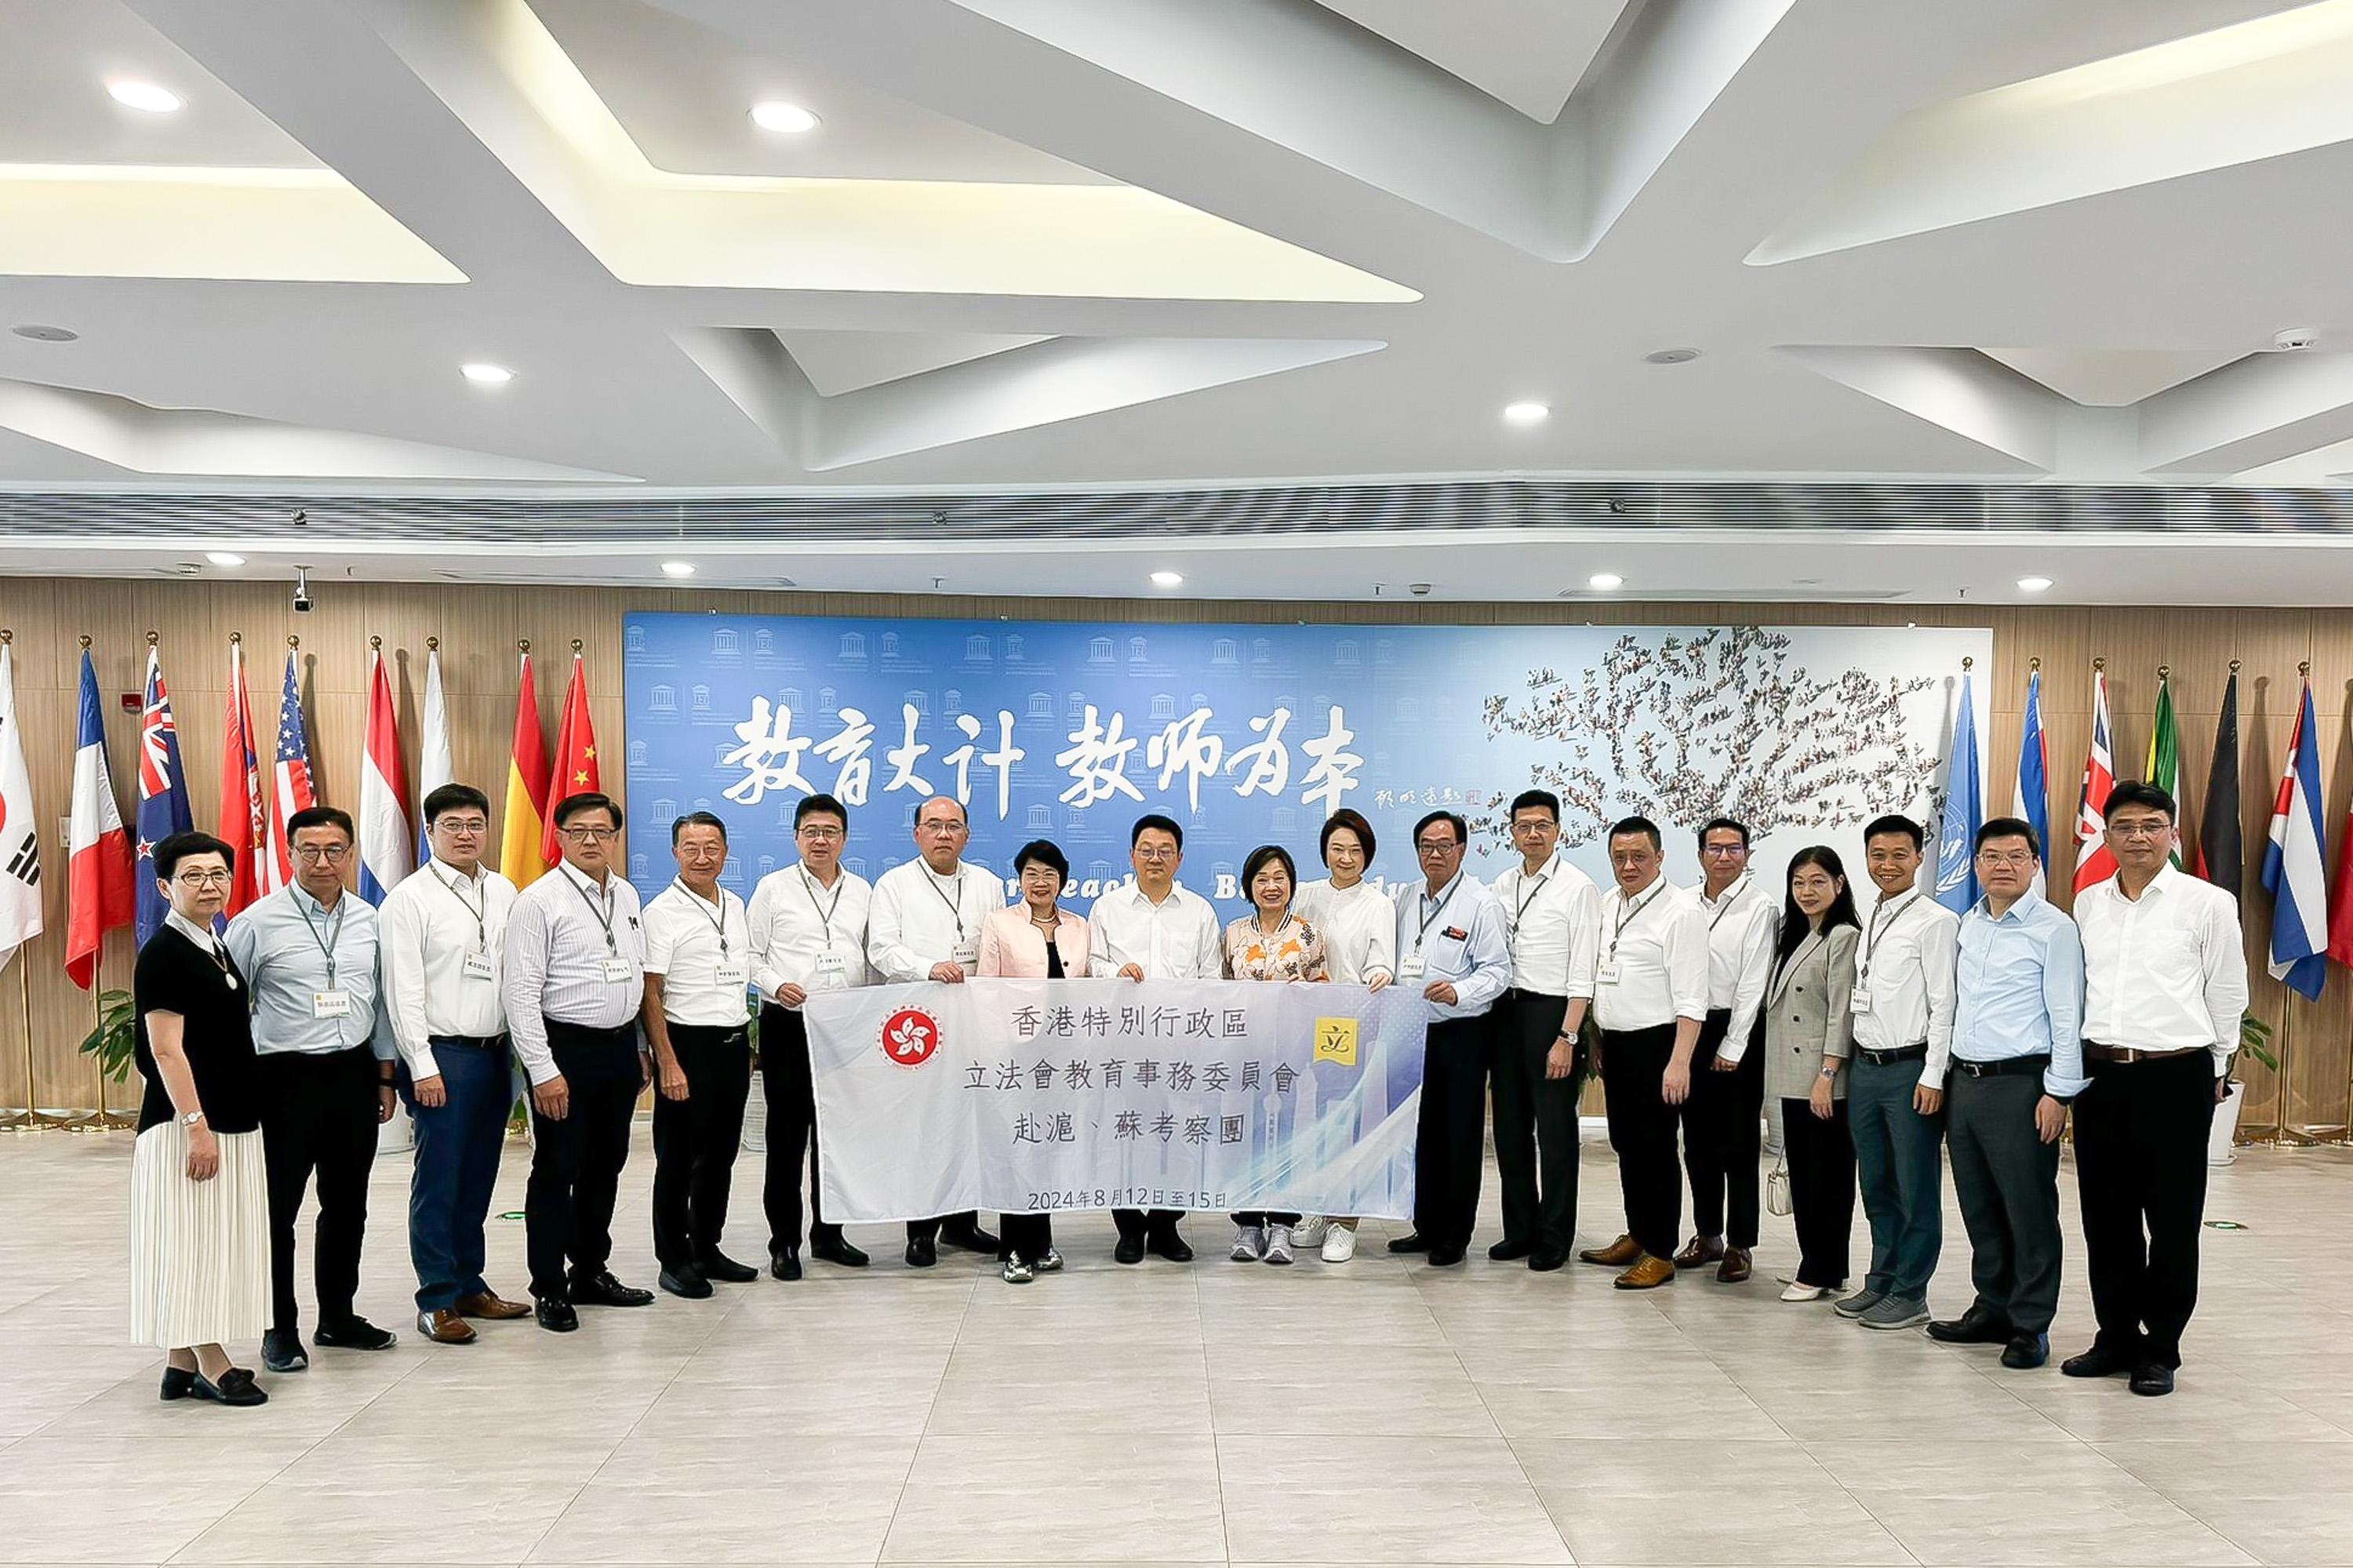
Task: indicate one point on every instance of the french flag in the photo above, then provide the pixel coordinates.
(99, 896)
(386, 853)
(2292, 866)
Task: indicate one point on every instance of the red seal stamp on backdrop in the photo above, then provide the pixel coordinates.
(910, 1037)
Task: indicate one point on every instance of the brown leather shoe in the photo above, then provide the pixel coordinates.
(1648, 1274)
(488, 1305)
(444, 1327)
(1735, 1268)
(1699, 1250)
(1617, 1255)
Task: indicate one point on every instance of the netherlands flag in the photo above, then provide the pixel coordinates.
(2031, 803)
(290, 783)
(98, 894)
(2292, 866)
(386, 853)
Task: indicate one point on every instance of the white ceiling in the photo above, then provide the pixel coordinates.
(1267, 239)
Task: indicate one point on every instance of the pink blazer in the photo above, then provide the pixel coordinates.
(1010, 945)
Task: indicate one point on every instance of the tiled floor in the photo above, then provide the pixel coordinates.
(1375, 1413)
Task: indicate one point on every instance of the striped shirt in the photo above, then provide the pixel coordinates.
(560, 935)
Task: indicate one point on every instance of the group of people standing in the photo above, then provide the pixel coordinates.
(271, 1052)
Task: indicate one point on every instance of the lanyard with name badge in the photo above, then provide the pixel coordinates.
(1607, 970)
(967, 951)
(832, 973)
(1413, 968)
(1726, 907)
(478, 964)
(615, 970)
(728, 970)
(1893, 916)
(332, 1002)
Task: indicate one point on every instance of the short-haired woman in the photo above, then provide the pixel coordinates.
(1358, 925)
(1034, 940)
(1270, 943)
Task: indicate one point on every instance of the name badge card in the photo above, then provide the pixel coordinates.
(478, 966)
(1606, 972)
(331, 1004)
(735, 973)
(619, 970)
(1861, 1000)
(832, 974)
(967, 953)
(1411, 968)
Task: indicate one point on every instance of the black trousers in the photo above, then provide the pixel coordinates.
(1449, 1138)
(576, 1163)
(1263, 1218)
(1821, 1189)
(1722, 1124)
(1642, 1131)
(1137, 1222)
(318, 1118)
(695, 1142)
(2140, 1171)
(2007, 1179)
(791, 1097)
(1026, 1236)
(1535, 1121)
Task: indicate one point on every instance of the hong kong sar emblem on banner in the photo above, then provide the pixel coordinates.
(910, 1037)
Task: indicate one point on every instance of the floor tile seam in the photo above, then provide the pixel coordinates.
(924, 1432)
(2196, 1514)
(257, 1489)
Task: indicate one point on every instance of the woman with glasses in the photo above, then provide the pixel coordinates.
(1034, 940)
(199, 1194)
(1358, 925)
(1271, 943)
(1809, 1035)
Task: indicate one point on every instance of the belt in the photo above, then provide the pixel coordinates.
(1521, 993)
(2094, 1050)
(1889, 1058)
(2003, 1069)
(478, 1042)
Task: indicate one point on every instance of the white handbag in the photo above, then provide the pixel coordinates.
(1776, 1190)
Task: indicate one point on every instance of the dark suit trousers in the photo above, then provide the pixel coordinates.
(791, 1098)
(1722, 1131)
(2140, 1171)
(1642, 1131)
(1821, 1190)
(318, 1118)
(1535, 1121)
(1450, 1148)
(2007, 1179)
(1134, 1222)
(695, 1141)
(576, 1163)
(457, 1166)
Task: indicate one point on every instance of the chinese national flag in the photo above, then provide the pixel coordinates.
(576, 758)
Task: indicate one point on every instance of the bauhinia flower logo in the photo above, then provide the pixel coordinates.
(910, 1037)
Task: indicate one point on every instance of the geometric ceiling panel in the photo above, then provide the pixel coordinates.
(1528, 53)
(838, 362)
(2111, 378)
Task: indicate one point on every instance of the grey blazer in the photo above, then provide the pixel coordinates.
(1806, 1016)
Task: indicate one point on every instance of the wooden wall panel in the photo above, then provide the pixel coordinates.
(479, 626)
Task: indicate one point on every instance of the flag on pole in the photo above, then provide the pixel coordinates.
(386, 853)
(2292, 865)
(433, 769)
(245, 810)
(2093, 863)
(575, 756)
(2164, 769)
(97, 875)
(20, 829)
(290, 783)
(163, 795)
(2031, 802)
(1956, 864)
(519, 856)
(2221, 852)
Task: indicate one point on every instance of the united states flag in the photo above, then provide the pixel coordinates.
(290, 783)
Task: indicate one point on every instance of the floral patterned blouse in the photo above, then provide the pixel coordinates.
(1294, 952)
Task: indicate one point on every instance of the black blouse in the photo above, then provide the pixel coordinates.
(174, 975)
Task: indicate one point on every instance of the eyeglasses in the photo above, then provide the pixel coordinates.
(462, 827)
(1533, 825)
(822, 835)
(1723, 852)
(203, 878)
(312, 855)
(1165, 852)
(1437, 847)
(2141, 828)
(2014, 857)
(590, 835)
(936, 826)
(702, 852)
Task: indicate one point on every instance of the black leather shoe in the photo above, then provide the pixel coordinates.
(2153, 1379)
(1974, 1326)
(838, 1251)
(601, 1289)
(1129, 1250)
(177, 1383)
(971, 1238)
(1412, 1241)
(1168, 1245)
(686, 1280)
(922, 1253)
(720, 1266)
(1445, 1257)
(785, 1263)
(2095, 1363)
(237, 1387)
(1545, 1262)
(556, 1314)
(356, 1334)
(1511, 1250)
(2026, 1351)
(282, 1352)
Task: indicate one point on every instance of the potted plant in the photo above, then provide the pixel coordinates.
(2254, 1040)
(113, 1036)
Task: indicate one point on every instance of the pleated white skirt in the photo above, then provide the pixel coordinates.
(199, 1250)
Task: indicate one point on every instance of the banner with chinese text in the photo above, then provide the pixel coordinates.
(1028, 1095)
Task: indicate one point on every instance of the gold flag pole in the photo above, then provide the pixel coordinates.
(96, 1120)
(31, 1119)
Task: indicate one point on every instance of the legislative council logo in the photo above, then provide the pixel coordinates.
(910, 1037)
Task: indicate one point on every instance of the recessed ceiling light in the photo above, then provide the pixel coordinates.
(1605, 581)
(678, 568)
(786, 119)
(1671, 357)
(1527, 413)
(2033, 585)
(486, 374)
(40, 334)
(1167, 579)
(224, 559)
(143, 96)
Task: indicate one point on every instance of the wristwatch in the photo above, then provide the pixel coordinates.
(193, 1118)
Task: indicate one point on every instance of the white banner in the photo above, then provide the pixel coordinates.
(1029, 1095)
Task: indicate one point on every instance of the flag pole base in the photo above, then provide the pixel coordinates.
(2287, 1138)
(35, 1120)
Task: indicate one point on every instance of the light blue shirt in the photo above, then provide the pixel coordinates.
(291, 950)
(2022, 991)
(1477, 961)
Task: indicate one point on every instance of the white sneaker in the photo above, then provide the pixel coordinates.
(1278, 1243)
(1339, 1244)
(1250, 1244)
(1310, 1230)
(1051, 1262)
(1797, 1292)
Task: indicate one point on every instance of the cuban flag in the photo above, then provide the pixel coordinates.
(1956, 864)
(2032, 802)
(290, 784)
(433, 769)
(2292, 866)
(163, 795)
(98, 881)
(386, 853)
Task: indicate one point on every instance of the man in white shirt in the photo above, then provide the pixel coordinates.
(1724, 1118)
(441, 935)
(1551, 912)
(2165, 983)
(924, 924)
(808, 937)
(1154, 929)
(1905, 991)
(1650, 997)
(573, 983)
(697, 1017)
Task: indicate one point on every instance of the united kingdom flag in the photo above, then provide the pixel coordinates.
(162, 794)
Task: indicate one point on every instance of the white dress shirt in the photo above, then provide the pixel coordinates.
(1177, 939)
(2165, 971)
(703, 953)
(808, 935)
(1652, 962)
(443, 937)
(1906, 963)
(1552, 920)
(312, 973)
(1358, 925)
(1456, 937)
(918, 920)
(560, 933)
(1741, 927)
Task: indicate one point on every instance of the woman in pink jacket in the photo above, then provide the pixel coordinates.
(1034, 940)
